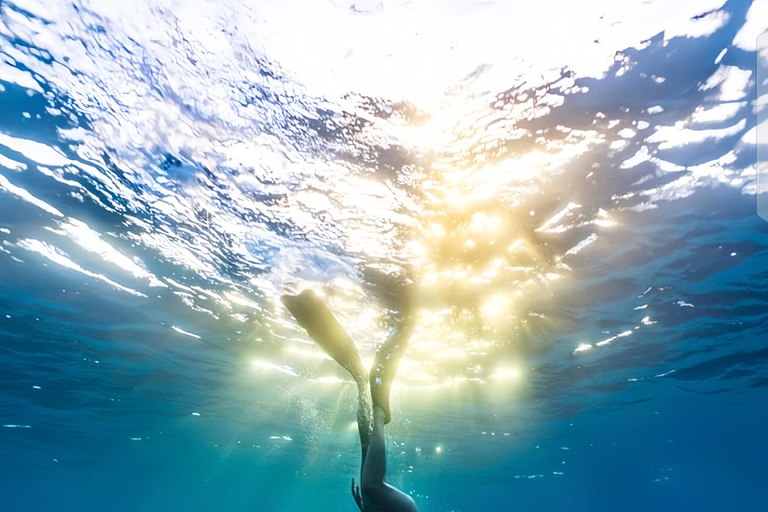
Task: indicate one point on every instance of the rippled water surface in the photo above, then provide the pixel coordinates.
(569, 186)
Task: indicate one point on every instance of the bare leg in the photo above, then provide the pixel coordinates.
(385, 497)
(312, 313)
(365, 429)
(364, 418)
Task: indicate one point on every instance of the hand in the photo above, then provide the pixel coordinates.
(356, 495)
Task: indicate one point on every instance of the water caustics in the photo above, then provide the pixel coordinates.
(231, 152)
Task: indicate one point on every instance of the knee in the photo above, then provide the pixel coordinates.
(371, 488)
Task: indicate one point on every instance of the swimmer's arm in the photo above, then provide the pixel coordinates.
(356, 495)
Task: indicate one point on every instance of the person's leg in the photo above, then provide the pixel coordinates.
(385, 497)
(364, 418)
(312, 314)
(365, 429)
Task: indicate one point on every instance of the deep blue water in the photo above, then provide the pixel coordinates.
(146, 365)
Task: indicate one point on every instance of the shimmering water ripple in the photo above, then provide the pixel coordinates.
(580, 238)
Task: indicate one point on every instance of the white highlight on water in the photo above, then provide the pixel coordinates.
(182, 331)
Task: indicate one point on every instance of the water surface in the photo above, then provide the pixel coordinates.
(570, 188)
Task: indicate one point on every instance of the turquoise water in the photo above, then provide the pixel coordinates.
(590, 265)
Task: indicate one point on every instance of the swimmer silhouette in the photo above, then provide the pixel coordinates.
(373, 494)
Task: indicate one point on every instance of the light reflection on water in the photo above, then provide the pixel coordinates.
(251, 173)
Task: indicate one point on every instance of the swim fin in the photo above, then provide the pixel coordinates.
(385, 365)
(311, 312)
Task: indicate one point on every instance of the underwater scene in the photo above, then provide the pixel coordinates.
(475, 255)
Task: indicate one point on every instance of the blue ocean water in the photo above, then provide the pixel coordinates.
(590, 264)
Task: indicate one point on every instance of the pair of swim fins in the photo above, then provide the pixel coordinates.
(313, 314)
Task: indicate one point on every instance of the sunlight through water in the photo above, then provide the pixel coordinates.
(451, 157)
(196, 160)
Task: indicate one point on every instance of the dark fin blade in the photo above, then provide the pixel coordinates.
(312, 313)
